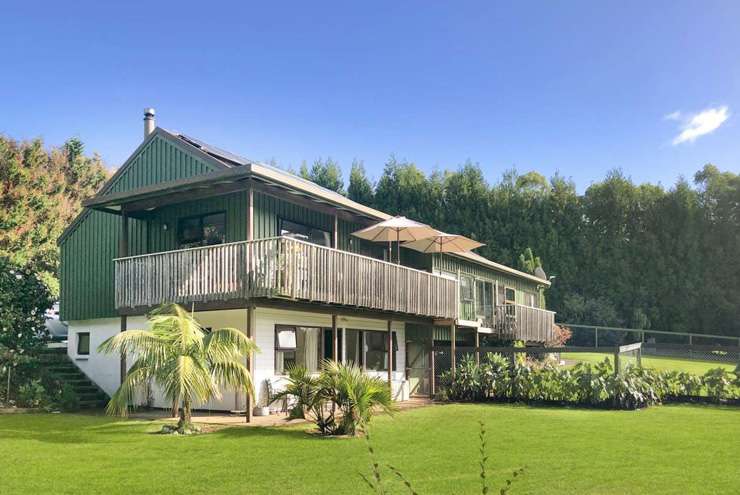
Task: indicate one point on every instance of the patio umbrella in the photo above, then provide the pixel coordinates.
(443, 243)
(396, 229)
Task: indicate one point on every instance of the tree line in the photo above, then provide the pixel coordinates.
(621, 254)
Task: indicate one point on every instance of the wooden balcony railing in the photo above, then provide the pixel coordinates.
(285, 268)
(519, 322)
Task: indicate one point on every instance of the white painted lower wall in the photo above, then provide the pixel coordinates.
(105, 369)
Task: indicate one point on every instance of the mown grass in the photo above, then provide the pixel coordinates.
(667, 449)
(693, 366)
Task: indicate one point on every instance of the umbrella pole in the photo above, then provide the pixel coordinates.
(398, 247)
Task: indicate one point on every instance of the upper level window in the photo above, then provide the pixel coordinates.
(466, 288)
(484, 297)
(202, 230)
(510, 295)
(530, 299)
(305, 233)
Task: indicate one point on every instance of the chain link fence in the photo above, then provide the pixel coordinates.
(692, 346)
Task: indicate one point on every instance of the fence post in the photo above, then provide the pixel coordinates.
(596, 337)
(616, 362)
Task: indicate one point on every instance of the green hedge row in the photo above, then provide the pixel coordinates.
(596, 385)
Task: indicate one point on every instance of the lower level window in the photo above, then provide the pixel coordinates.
(376, 350)
(297, 346)
(83, 344)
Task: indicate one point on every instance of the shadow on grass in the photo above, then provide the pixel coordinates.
(69, 429)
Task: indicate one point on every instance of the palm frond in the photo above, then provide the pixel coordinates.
(233, 374)
(228, 343)
(125, 396)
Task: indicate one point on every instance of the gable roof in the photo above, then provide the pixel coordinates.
(230, 166)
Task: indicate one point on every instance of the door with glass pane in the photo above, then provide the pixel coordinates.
(417, 371)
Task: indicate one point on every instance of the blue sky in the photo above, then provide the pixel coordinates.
(573, 87)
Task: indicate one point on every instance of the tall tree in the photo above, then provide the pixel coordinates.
(40, 193)
(326, 173)
(360, 189)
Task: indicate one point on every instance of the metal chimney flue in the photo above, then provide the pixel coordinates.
(148, 121)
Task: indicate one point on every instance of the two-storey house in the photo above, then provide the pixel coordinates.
(249, 246)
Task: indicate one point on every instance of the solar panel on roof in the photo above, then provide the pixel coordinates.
(217, 152)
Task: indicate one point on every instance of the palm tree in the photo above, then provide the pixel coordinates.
(339, 388)
(188, 363)
(356, 394)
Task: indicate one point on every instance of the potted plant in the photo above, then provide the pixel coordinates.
(263, 409)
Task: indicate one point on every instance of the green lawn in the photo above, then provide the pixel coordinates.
(667, 449)
(693, 366)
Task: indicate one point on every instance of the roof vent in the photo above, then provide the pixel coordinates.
(148, 121)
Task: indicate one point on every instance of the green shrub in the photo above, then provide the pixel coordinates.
(677, 385)
(67, 399)
(632, 389)
(33, 394)
(719, 384)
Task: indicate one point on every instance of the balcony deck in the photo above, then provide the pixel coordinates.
(519, 322)
(281, 267)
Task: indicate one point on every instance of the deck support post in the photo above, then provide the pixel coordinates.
(477, 347)
(335, 339)
(124, 321)
(432, 377)
(453, 351)
(250, 362)
(123, 252)
(390, 356)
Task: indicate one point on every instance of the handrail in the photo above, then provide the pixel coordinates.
(197, 248)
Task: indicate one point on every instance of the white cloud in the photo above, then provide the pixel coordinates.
(673, 116)
(694, 126)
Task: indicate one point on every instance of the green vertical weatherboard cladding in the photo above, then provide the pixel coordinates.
(87, 251)
(159, 161)
(521, 286)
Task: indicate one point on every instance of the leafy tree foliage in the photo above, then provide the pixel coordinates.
(24, 298)
(360, 189)
(622, 254)
(40, 193)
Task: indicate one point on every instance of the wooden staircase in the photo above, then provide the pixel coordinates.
(61, 367)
